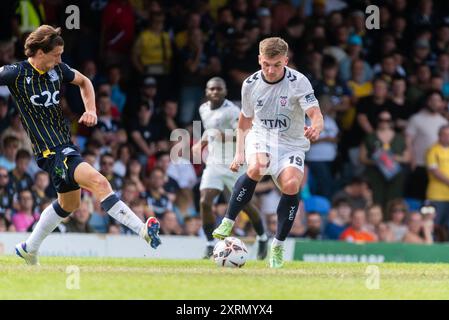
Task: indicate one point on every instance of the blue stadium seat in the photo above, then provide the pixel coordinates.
(317, 204)
(413, 204)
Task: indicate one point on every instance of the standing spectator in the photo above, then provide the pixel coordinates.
(313, 226)
(198, 63)
(18, 177)
(419, 231)
(25, 217)
(8, 156)
(109, 130)
(401, 109)
(420, 86)
(152, 52)
(437, 161)
(117, 32)
(357, 232)
(118, 96)
(79, 219)
(145, 132)
(422, 132)
(383, 152)
(396, 214)
(354, 50)
(323, 152)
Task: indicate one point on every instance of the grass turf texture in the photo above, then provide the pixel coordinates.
(200, 279)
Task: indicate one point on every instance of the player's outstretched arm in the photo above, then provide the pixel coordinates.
(89, 117)
(243, 128)
(313, 132)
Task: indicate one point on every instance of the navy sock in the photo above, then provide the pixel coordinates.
(208, 229)
(242, 194)
(286, 211)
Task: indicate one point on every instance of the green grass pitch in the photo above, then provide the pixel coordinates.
(200, 279)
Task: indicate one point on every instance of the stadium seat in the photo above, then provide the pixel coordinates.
(317, 204)
(413, 204)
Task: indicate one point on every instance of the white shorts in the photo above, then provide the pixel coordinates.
(220, 176)
(281, 155)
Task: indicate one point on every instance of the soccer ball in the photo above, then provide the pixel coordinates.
(230, 252)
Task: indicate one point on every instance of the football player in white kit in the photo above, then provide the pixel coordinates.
(272, 138)
(220, 116)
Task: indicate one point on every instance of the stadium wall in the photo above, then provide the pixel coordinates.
(335, 251)
(121, 246)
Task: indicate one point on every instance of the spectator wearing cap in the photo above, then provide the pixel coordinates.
(265, 22)
(354, 52)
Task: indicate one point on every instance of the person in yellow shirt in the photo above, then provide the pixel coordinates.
(437, 162)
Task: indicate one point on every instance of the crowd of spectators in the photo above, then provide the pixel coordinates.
(379, 172)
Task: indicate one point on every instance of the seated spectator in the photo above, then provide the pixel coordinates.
(79, 219)
(168, 117)
(41, 188)
(384, 233)
(118, 96)
(156, 196)
(99, 221)
(6, 195)
(192, 226)
(106, 165)
(271, 223)
(419, 231)
(9, 152)
(25, 217)
(171, 186)
(357, 193)
(357, 231)
(124, 155)
(313, 227)
(338, 219)
(5, 226)
(18, 177)
(439, 232)
(374, 217)
(16, 130)
(169, 224)
(298, 227)
(183, 205)
(135, 174)
(397, 211)
(138, 206)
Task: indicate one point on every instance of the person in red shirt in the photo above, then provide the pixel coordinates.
(357, 232)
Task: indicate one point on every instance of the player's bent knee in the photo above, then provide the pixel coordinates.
(291, 186)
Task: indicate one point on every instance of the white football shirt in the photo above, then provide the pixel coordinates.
(220, 119)
(278, 109)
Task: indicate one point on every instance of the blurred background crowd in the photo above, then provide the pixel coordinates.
(379, 172)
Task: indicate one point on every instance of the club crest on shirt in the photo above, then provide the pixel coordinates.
(283, 101)
(53, 75)
(260, 103)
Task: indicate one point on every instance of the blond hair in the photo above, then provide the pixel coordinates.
(45, 38)
(272, 47)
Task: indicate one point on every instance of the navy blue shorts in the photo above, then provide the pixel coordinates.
(60, 163)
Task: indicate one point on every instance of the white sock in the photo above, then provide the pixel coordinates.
(277, 242)
(48, 222)
(123, 214)
(262, 237)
